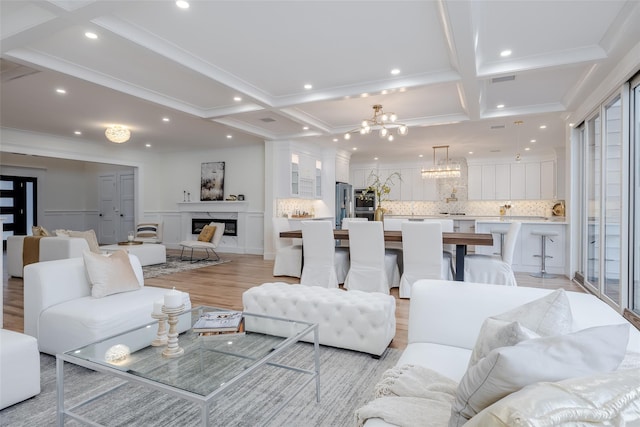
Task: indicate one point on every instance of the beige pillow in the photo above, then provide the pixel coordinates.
(207, 233)
(38, 230)
(90, 237)
(110, 274)
(60, 232)
(508, 369)
(599, 400)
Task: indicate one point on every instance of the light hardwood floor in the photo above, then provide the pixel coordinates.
(222, 286)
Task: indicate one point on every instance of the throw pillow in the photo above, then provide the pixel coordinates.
(496, 333)
(549, 315)
(599, 400)
(90, 237)
(554, 358)
(38, 230)
(110, 274)
(207, 233)
(60, 232)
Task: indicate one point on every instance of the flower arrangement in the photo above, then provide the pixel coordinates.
(379, 187)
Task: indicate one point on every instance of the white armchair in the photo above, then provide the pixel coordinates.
(203, 245)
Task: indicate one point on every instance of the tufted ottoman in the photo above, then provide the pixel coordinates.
(355, 320)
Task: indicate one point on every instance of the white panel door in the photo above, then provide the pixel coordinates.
(109, 210)
(127, 206)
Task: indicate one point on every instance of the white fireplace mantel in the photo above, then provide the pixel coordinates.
(213, 206)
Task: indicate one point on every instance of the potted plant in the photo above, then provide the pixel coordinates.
(381, 188)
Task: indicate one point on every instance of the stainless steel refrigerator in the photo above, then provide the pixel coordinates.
(344, 202)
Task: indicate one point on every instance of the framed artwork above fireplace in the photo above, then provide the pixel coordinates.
(212, 181)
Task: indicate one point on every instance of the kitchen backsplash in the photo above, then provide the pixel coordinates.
(287, 207)
(472, 208)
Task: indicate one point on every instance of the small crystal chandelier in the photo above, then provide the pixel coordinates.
(440, 170)
(117, 134)
(382, 122)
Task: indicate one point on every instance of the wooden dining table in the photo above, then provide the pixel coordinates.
(461, 240)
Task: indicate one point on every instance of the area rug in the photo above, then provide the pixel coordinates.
(174, 265)
(347, 379)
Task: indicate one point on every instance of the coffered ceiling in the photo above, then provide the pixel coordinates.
(152, 60)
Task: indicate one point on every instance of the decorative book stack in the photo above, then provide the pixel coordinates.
(220, 324)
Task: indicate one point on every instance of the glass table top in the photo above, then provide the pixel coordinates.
(208, 363)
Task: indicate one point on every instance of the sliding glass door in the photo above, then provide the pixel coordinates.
(593, 178)
(634, 246)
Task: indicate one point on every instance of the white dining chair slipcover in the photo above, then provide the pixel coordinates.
(423, 256)
(288, 260)
(480, 268)
(319, 255)
(372, 269)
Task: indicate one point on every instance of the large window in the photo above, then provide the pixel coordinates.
(635, 195)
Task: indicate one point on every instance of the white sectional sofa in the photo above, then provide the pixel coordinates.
(51, 248)
(61, 313)
(445, 319)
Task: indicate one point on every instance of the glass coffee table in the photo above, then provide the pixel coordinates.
(209, 368)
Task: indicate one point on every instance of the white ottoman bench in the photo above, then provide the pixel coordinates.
(147, 253)
(19, 367)
(355, 320)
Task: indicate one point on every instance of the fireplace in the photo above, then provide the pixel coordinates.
(230, 225)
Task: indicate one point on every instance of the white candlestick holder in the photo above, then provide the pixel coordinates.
(161, 335)
(173, 349)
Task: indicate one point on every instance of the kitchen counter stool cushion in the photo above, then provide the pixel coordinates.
(19, 367)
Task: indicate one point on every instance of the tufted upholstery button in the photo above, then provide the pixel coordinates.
(355, 320)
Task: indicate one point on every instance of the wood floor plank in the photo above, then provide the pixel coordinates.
(222, 285)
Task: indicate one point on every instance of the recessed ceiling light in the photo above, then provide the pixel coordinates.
(384, 92)
(77, 132)
(375, 158)
(147, 145)
(182, 4)
(237, 98)
(527, 149)
(166, 119)
(308, 86)
(470, 152)
(571, 125)
(229, 136)
(305, 128)
(500, 106)
(420, 155)
(364, 95)
(395, 71)
(335, 139)
(61, 91)
(505, 53)
(543, 126)
(91, 35)
(533, 141)
(355, 148)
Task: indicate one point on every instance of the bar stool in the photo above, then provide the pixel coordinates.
(501, 233)
(543, 237)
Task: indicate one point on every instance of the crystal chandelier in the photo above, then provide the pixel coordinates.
(382, 122)
(117, 134)
(441, 170)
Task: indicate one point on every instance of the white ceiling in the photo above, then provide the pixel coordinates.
(153, 60)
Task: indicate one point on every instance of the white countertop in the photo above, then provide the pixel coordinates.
(482, 218)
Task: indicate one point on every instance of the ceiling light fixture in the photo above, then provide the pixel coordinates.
(505, 53)
(518, 156)
(182, 4)
(117, 134)
(441, 169)
(91, 35)
(382, 122)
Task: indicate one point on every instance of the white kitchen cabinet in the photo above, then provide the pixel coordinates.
(503, 182)
(548, 180)
(488, 182)
(297, 174)
(474, 185)
(395, 185)
(518, 186)
(532, 181)
(342, 169)
(408, 191)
